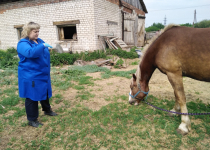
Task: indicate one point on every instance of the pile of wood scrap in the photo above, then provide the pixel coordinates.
(109, 63)
(114, 42)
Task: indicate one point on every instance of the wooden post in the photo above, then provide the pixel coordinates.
(136, 31)
(122, 25)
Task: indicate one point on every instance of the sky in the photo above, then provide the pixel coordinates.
(176, 11)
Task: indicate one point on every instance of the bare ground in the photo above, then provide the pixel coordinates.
(159, 87)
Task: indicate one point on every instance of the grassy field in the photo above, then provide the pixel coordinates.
(116, 125)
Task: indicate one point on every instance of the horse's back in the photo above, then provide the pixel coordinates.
(187, 49)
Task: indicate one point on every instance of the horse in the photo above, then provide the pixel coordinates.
(177, 51)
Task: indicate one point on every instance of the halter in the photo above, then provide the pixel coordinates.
(134, 97)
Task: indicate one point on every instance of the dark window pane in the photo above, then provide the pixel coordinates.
(69, 32)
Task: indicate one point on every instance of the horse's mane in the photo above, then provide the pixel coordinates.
(154, 38)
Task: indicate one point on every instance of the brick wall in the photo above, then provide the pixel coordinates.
(31, 3)
(107, 11)
(45, 15)
(93, 16)
(26, 3)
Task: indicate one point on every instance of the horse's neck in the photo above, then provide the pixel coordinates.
(147, 68)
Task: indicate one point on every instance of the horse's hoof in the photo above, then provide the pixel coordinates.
(179, 131)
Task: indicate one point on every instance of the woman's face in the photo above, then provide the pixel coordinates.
(33, 35)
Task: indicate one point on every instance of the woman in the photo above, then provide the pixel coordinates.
(34, 73)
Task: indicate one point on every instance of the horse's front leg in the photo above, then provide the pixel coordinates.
(177, 84)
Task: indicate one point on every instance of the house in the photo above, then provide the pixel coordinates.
(74, 24)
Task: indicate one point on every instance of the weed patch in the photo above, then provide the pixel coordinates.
(126, 74)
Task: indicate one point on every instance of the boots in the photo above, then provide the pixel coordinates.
(35, 123)
(50, 113)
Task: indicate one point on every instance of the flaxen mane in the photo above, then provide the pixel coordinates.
(150, 43)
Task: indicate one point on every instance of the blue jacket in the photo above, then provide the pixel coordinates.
(34, 70)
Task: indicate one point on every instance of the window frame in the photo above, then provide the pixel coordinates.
(61, 24)
(19, 29)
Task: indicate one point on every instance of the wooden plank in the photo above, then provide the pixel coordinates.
(116, 44)
(115, 47)
(135, 32)
(61, 33)
(113, 39)
(110, 46)
(121, 43)
(110, 43)
(18, 26)
(102, 43)
(112, 22)
(66, 22)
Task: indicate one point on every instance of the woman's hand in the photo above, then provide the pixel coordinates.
(47, 45)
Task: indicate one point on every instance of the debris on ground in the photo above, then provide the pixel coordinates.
(115, 62)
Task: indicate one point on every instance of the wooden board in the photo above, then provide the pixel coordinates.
(121, 43)
(66, 22)
(107, 41)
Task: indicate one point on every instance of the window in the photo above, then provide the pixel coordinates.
(67, 30)
(19, 30)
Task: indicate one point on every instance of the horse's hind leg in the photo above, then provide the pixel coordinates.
(177, 84)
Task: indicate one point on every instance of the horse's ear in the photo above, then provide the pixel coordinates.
(134, 77)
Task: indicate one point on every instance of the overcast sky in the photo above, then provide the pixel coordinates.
(178, 11)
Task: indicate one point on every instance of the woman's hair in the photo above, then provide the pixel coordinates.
(28, 27)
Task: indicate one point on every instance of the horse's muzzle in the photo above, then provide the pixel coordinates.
(132, 102)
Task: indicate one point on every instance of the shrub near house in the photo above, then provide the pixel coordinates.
(7, 58)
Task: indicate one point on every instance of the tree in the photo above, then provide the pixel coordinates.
(186, 25)
(155, 27)
(203, 24)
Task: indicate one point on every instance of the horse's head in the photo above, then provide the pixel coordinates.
(136, 95)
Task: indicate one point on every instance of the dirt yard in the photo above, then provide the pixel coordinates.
(159, 87)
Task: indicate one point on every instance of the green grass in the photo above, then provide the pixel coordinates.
(89, 68)
(119, 126)
(126, 74)
(116, 125)
(135, 63)
(84, 95)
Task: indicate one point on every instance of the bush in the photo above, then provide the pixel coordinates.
(7, 59)
(155, 27)
(122, 54)
(63, 58)
(187, 25)
(69, 59)
(88, 56)
(203, 24)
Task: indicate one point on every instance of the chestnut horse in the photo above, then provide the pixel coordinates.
(177, 51)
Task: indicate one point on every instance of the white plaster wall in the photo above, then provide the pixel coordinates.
(45, 15)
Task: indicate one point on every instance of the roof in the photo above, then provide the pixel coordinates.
(7, 1)
(144, 6)
(138, 4)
